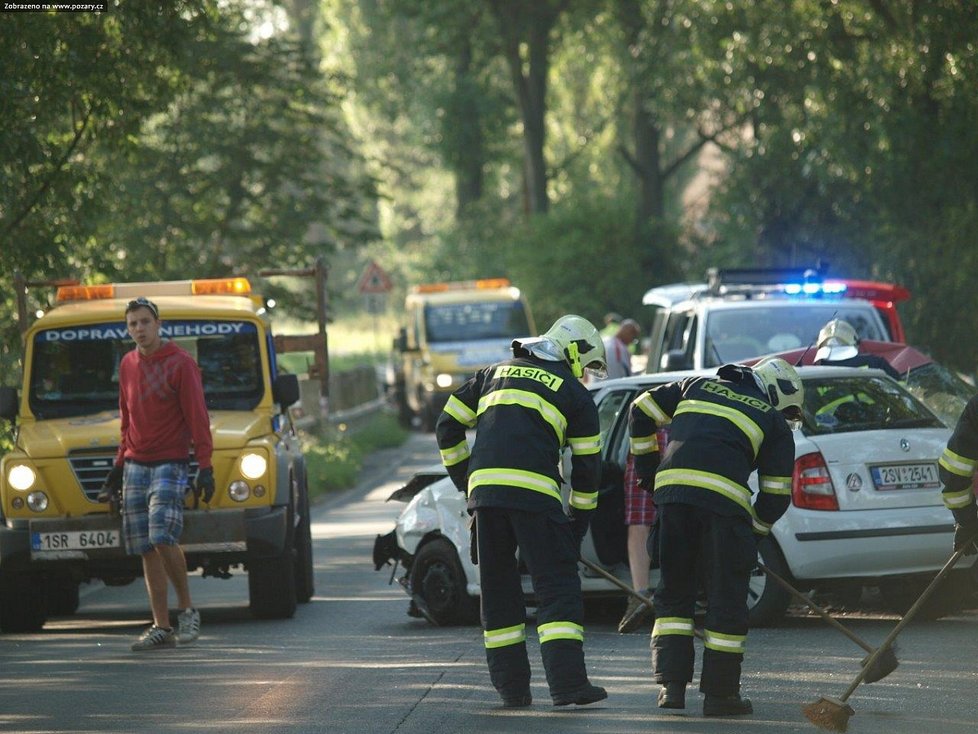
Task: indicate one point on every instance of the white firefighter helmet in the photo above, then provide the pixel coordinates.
(782, 387)
(837, 340)
(579, 343)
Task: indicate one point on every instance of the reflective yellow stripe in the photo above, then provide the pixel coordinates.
(460, 412)
(957, 464)
(560, 631)
(647, 405)
(672, 626)
(641, 445)
(760, 527)
(504, 636)
(529, 400)
(705, 480)
(750, 429)
(514, 478)
(584, 445)
(775, 485)
(957, 500)
(583, 500)
(720, 642)
(457, 453)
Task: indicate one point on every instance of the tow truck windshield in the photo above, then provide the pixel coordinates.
(75, 370)
(450, 322)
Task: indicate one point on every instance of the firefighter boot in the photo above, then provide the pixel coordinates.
(730, 705)
(588, 693)
(672, 695)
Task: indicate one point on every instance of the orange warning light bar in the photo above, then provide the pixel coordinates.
(220, 287)
(84, 292)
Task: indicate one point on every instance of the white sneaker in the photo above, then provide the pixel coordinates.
(154, 638)
(189, 626)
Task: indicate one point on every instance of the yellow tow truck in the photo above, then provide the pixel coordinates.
(450, 331)
(55, 535)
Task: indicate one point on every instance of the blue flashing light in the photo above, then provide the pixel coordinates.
(813, 289)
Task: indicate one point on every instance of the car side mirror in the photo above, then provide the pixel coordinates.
(8, 403)
(285, 391)
(675, 359)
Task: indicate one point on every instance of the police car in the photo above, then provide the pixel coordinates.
(738, 314)
(866, 507)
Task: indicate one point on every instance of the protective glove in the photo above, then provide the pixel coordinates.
(647, 484)
(966, 535)
(204, 486)
(580, 520)
(112, 487)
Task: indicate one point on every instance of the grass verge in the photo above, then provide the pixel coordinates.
(335, 454)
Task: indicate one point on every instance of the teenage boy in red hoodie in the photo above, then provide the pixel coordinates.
(162, 410)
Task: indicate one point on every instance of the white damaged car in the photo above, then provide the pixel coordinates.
(866, 508)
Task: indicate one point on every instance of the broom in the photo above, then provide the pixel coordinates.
(625, 587)
(884, 664)
(833, 713)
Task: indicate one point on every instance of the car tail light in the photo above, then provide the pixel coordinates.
(811, 484)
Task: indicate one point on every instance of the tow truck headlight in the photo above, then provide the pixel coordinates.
(253, 466)
(443, 379)
(37, 501)
(239, 491)
(21, 477)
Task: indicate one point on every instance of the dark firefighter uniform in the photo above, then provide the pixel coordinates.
(957, 471)
(721, 429)
(525, 411)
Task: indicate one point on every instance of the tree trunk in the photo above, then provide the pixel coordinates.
(471, 153)
(538, 19)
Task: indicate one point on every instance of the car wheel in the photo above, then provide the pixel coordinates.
(437, 577)
(61, 596)
(767, 602)
(304, 568)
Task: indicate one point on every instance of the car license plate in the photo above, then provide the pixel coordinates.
(75, 540)
(906, 476)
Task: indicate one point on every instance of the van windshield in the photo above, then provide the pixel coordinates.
(75, 370)
(735, 334)
(449, 322)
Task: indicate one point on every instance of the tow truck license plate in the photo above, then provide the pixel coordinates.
(74, 540)
(906, 476)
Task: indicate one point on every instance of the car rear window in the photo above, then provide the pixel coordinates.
(858, 403)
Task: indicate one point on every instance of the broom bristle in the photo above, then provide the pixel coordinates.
(885, 664)
(829, 713)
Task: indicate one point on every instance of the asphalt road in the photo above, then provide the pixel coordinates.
(352, 661)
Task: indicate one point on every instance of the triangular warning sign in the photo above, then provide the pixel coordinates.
(374, 279)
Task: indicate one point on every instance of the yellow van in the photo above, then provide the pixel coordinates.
(55, 534)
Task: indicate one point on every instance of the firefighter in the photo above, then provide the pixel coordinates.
(720, 430)
(525, 410)
(838, 345)
(957, 471)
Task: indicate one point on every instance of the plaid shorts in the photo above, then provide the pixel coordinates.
(152, 505)
(639, 507)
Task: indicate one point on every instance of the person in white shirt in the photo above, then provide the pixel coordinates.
(617, 350)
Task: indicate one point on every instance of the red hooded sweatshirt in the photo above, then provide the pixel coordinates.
(162, 408)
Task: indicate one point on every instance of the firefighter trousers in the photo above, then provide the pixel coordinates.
(699, 548)
(547, 546)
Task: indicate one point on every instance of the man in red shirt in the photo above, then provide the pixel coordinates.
(162, 410)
